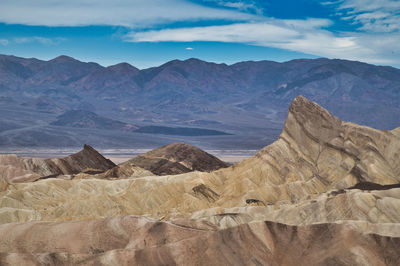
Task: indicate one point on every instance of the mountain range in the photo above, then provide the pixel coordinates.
(248, 101)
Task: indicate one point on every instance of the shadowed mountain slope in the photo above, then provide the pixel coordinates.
(87, 119)
(176, 158)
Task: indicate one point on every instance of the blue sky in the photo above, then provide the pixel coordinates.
(148, 33)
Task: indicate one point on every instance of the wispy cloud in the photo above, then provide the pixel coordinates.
(299, 35)
(246, 6)
(42, 40)
(4, 42)
(129, 13)
(189, 48)
(308, 36)
(371, 15)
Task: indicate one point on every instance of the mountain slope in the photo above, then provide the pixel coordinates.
(249, 99)
(176, 158)
(86, 119)
(17, 169)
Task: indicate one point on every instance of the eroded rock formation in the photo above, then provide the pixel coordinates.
(16, 169)
(176, 158)
(139, 241)
(329, 190)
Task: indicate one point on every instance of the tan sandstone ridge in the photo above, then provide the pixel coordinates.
(334, 184)
(15, 169)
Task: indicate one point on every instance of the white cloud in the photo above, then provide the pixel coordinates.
(130, 13)
(247, 6)
(369, 5)
(372, 15)
(189, 48)
(256, 33)
(307, 36)
(4, 42)
(42, 40)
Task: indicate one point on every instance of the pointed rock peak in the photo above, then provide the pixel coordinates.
(89, 152)
(92, 158)
(309, 118)
(89, 148)
(309, 111)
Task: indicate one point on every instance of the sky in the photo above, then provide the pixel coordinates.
(147, 33)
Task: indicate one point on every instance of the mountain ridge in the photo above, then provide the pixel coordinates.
(248, 98)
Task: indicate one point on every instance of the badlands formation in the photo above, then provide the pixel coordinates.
(14, 169)
(177, 158)
(325, 193)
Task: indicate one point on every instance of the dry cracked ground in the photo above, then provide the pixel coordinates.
(326, 192)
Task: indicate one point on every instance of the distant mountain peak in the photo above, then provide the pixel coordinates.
(193, 59)
(63, 59)
(123, 67)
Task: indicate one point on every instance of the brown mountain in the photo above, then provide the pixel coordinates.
(177, 158)
(17, 169)
(172, 159)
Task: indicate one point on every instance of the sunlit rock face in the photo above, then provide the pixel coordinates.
(329, 191)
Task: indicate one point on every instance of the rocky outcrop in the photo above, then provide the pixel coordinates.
(176, 158)
(16, 169)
